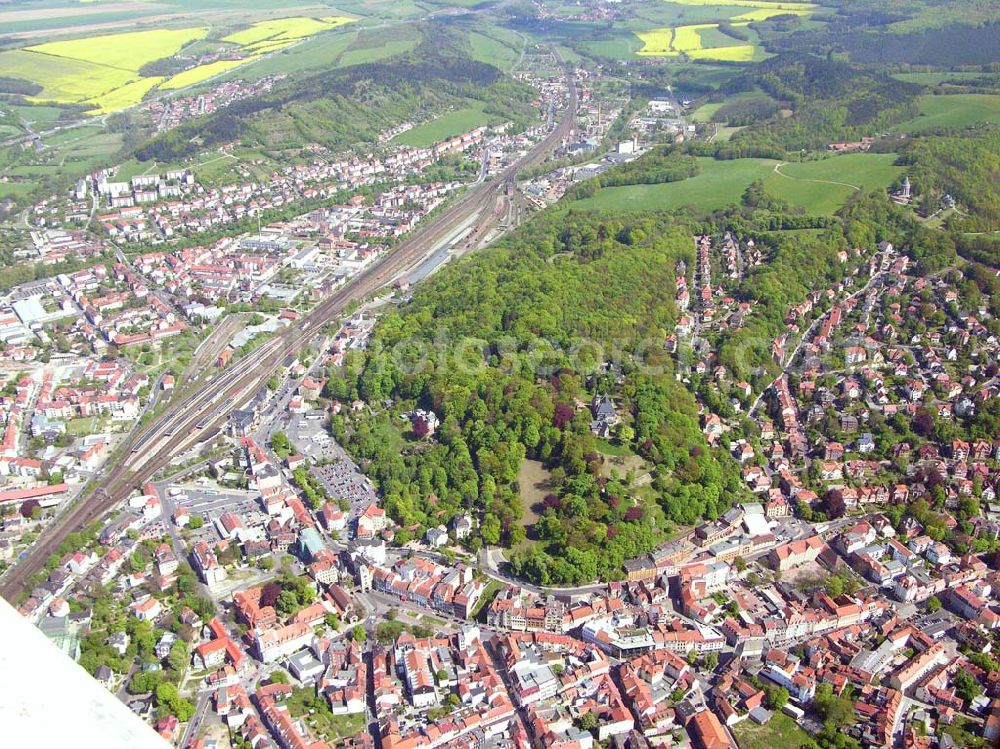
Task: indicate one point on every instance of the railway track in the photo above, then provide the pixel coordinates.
(153, 448)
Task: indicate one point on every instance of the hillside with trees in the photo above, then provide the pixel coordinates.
(818, 102)
(349, 105)
(967, 167)
(508, 348)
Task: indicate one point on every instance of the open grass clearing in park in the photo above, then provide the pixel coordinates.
(448, 125)
(718, 184)
(823, 186)
(818, 187)
(533, 483)
(953, 111)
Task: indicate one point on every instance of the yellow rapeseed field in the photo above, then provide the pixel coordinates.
(687, 38)
(129, 51)
(746, 3)
(120, 98)
(740, 53)
(284, 29)
(657, 42)
(62, 80)
(103, 71)
(762, 14)
(203, 72)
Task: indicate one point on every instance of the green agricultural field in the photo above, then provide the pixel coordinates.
(446, 126)
(502, 53)
(93, 152)
(567, 54)
(622, 47)
(953, 111)
(705, 112)
(382, 8)
(320, 53)
(72, 135)
(63, 24)
(936, 77)
(819, 187)
(15, 190)
(712, 37)
(357, 55)
(38, 113)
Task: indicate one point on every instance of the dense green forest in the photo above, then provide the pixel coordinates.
(823, 101)
(863, 42)
(511, 343)
(964, 166)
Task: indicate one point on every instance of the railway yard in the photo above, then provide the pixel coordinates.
(198, 417)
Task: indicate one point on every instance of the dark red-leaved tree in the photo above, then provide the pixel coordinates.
(269, 595)
(633, 514)
(421, 428)
(562, 415)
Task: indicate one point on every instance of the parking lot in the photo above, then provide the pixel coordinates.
(209, 502)
(343, 479)
(310, 436)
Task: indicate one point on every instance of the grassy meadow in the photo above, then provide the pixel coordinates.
(818, 187)
(953, 111)
(446, 126)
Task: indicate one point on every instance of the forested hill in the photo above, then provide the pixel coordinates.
(817, 102)
(966, 166)
(348, 105)
(503, 361)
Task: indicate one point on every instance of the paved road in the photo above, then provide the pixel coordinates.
(194, 725)
(808, 336)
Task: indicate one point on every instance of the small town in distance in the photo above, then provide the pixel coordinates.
(615, 374)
